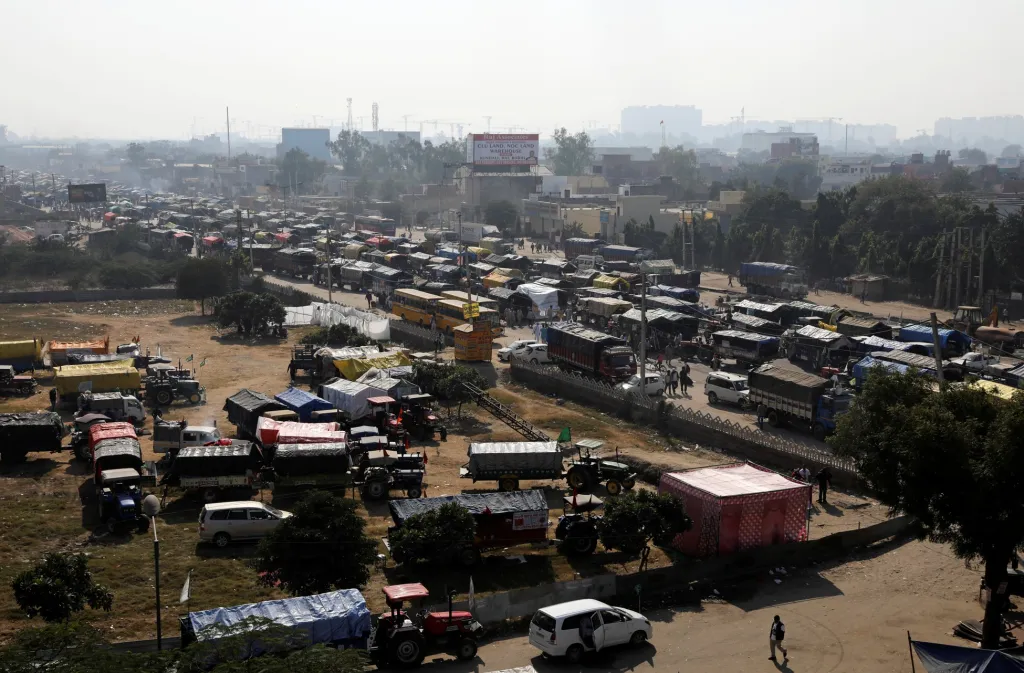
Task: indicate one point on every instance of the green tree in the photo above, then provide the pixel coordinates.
(501, 214)
(394, 211)
(299, 171)
(361, 190)
(350, 148)
(200, 279)
(73, 647)
(323, 546)
(682, 165)
(574, 230)
(973, 155)
(437, 537)
(58, 587)
(952, 459)
(387, 190)
(573, 154)
(1011, 151)
(336, 336)
(445, 382)
(136, 154)
(421, 217)
(250, 313)
(957, 181)
(632, 521)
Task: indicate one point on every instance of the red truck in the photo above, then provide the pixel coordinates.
(595, 353)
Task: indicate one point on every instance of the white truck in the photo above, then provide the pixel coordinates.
(115, 406)
(974, 363)
(172, 436)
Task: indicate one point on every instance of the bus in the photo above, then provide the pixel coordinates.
(379, 225)
(415, 306)
(450, 315)
(463, 296)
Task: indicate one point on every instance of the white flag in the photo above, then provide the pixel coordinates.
(472, 595)
(186, 589)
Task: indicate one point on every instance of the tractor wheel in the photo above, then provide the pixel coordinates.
(468, 557)
(414, 492)
(210, 494)
(376, 490)
(142, 523)
(407, 649)
(195, 398)
(112, 525)
(578, 479)
(164, 397)
(466, 649)
(508, 484)
(613, 486)
(628, 483)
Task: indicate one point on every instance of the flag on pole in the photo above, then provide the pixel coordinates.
(186, 589)
(189, 358)
(472, 595)
(203, 363)
(565, 436)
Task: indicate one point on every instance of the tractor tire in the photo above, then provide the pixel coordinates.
(407, 649)
(468, 557)
(581, 539)
(414, 492)
(376, 490)
(466, 649)
(222, 540)
(628, 483)
(508, 484)
(164, 397)
(142, 524)
(195, 398)
(613, 486)
(578, 479)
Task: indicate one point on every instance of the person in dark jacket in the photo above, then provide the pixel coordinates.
(776, 635)
(824, 478)
(53, 399)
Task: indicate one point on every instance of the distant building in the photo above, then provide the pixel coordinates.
(970, 130)
(311, 141)
(728, 205)
(843, 173)
(800, 146)
(387, 137)
(762, 141)
(678, 119)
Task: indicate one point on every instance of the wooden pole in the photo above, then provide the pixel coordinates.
(910, 646)
(938, 271)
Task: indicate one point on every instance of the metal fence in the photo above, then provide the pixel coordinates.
(699, 426)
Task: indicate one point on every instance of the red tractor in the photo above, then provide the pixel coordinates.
(401, 640)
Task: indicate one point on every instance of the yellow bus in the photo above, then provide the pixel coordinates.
(450, 315)
(463, 296)
(415, 306)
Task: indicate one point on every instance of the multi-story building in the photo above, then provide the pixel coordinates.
(313, 142)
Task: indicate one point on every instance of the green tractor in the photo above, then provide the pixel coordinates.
(587, 471)
(166, 387)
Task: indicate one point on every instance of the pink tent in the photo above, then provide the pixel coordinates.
(737, 507)
(271, 432)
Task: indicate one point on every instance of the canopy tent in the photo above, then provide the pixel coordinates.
(939, 658)
(303, 403)
(545, 299)
(737, 507)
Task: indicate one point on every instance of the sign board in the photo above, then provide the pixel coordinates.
(503, 149)
(470, 310)
(94, 193)
(604, 217)
(529, 520)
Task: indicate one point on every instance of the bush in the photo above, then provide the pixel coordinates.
(59, 586)
(445, 382)
(336, 336)
(633, 520)
(127, 275)
(434, 537)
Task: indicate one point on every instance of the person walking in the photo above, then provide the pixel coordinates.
(369, 299)
(730, 280)
(670, 353)
(776, 635)
(761, 411)
(824, 478)
(519, 317)
(685, 380)
(53, 399)
(291, 370)
(673, 381)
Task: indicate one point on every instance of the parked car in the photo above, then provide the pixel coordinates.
(535, 354)
(556, 630)
(506, 353)
(974, 362)
(239, 521)
(726, 387)
(655, 384)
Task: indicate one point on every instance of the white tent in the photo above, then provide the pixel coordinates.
(544, 298)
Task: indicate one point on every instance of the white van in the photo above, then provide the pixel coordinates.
(243, 520)
(557, 630)
(726, 387)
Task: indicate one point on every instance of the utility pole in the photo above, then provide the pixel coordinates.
(643, 333)
(981, 269)
(970, 266)
(227, 116)
(959, 264)
(949, 272)
(938, 271)
(937, 350)
(238, 265)
(252, 260)
(330, 292)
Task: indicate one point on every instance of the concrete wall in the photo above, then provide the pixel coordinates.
(62, 296)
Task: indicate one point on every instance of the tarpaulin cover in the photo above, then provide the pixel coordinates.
(332, 617)
(349, 396)
(747, 304)
(250, 400)
(611, 282)
(544, 298)
(922, 362)
(476, 503)
(122, 446)
(866, 344)
(827, 336)
(104, 376)
(396, 388)
(303, 403)
(31, 419)
(215, 460)
(28, 349)
(749, 337)
(269, 431)
(101, 431)
(294, 460)
(352, 369)
(938, 658)
(765, 269)
(486, 456)
(864, 367)
(924, 333)
(371, 325)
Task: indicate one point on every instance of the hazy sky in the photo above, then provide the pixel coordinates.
(123, 69)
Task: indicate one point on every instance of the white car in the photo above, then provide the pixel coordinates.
(974, 362)
(558, 630)
(726, 387)
(240, 521)
(535, 354)
(655, 384)
(506, 353)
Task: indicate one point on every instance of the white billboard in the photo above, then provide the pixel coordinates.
(504, 149)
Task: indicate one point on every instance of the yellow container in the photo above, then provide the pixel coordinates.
(28, 349)
(105, 377)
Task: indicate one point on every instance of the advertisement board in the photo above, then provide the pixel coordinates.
(94, 193)
(503, 149)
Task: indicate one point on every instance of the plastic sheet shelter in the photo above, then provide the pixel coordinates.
(950, 341)
(270, 432)
(349, 396)
(103, 377)
(338, 617)
(543, 298)
(396, 388)
(737, 507)
(868, 344)
(303, 403)
(353, 368)
(939, 658)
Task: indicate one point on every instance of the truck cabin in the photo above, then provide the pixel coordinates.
(618, 362)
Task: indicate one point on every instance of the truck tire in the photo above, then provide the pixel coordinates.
(819, 432)
(466, 649)
(774, 419)
(209, 494)
(13, 456)
(407, 649)
(508, 484)
(376, 490)
(164, 397)
(613, 486)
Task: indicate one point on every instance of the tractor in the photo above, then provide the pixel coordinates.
(11, 383)
(176, 384)
(586, 471)
(381, 470)
(419, 419)
(403, 640)
(577, 529)
(120, 476)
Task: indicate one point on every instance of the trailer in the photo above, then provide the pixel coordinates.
(22, 433)
(100, 377)
(508, 462)
(593, 352)
(218, 471)
(819, 347)
(797, 398)
(775, 280)
(744, 346)
(245, 408)
(22, 355)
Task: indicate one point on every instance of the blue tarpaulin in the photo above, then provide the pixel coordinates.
(947, 337)
(334, 617)
(302, 403)
(938, 658)
(863, 368)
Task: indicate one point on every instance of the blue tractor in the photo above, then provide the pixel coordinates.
(120, 476)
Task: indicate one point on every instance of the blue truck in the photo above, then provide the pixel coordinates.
(797, 398)
(775, 280)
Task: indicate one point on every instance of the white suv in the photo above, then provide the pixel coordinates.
(515, 348)
(558, 630)
(244, 520)
(725, 387)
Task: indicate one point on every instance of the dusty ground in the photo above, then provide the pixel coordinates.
(42, 501)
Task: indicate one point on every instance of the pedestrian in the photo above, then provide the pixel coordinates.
(673, 381)
(519, 317)
(369, 299)
(863, 295)
(587, 631)
(291, 370)
(685, 380)
(53, 399)
(433, 322)
(824, 478)
(544, 332)
(730, 280)
(508, 317)
(532, 247)
(775, 637)
(670, 353)
(661, 361)
(761, 411)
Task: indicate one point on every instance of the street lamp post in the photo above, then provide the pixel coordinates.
(151, 506)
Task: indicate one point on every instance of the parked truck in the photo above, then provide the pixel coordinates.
(21, 433)
(300, 262)
(225, 469)
(169, 437)
(115, 406)
(245, 408)
(22, 355)
(508, 462)
(99, 377)
(742, 346)
(590, 351)
(120, 475)
(774, 280)
(798, 398)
